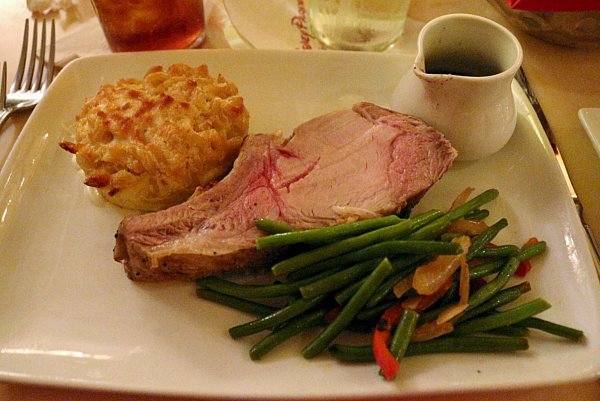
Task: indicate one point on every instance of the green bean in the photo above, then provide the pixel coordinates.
(250, 291)
(477, 214)
(480, 241)
(280, 316)
(434, 229)
(254, 291)
(352, 353)
(315, 268)
(403, 333)
(501, 298)
(386, 249)
(495, 285)
(398, 264)
(485, 269)
(339, 279)
(350, 244)
(347, 313)
(449, 344)
(509, 331)
(488, 268)
(552, 328)
(295, 326)
(500, 251)
(379, 250)
(472, 204)
(344, 295)
(411, 247)
(236, 303)
(452, 344)
(325, 234)
(247, 290)
(491, 267)
(418, 247)
(402, 268)
(505, 318)
(447, 237)
(425, 218)
(532, 250)
(273, 226)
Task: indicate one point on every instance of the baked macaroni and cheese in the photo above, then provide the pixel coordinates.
(148, 144)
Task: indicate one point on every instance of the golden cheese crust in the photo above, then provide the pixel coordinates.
(148, 144)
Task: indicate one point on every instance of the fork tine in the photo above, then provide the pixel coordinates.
(35, 85)
(51, 53)
(3, 86)
(21, 68)
(32, 55)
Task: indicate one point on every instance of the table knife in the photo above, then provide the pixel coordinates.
(522, 81)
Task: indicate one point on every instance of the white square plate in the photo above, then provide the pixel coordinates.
(70, 317)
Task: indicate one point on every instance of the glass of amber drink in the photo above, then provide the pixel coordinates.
(136, 25)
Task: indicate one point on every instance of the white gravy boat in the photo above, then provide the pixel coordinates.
(461, 83)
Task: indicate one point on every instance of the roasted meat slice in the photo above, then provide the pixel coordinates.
(345, 165)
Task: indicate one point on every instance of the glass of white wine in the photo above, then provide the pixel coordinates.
(368, 25)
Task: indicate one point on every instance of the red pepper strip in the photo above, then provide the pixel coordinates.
(523, 269)
(383, 331)
(381, 339)
(525, 266)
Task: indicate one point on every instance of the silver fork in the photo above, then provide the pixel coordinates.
(29, 84)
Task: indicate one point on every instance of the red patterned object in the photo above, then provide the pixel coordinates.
(573, 23)
(554, 5)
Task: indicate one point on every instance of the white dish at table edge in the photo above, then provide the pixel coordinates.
(72, 318)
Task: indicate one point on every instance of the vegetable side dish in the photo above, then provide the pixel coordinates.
(430, 283)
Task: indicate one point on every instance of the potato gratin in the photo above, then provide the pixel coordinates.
(148, 144)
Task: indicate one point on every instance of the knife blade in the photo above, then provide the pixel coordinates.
(521, 79)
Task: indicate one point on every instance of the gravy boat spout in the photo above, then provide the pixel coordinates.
(461, 80)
